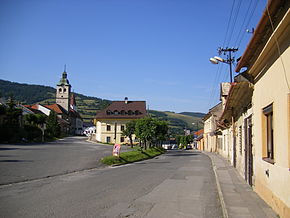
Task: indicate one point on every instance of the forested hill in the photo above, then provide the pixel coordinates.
(25, 93)
(88, 106)
(31, 94)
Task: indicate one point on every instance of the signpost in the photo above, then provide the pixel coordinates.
(116, 150)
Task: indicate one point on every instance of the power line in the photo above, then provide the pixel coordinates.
(250, 18)
(244, 20)
(229, 21)
(234, 21)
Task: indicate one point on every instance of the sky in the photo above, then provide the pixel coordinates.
(152, 50)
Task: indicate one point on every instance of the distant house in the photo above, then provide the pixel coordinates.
(111, 121)
(210, 127)
(199, 139)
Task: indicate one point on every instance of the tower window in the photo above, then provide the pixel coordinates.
(59, 89)
(64, 90)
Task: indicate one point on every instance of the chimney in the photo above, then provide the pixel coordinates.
(126, 100)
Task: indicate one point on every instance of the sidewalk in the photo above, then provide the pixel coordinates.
(238, 200)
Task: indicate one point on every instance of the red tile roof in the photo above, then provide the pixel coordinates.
(32, 106)
(56, 108)
(122, 110)
(199, 132)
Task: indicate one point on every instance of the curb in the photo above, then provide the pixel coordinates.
(221, 197)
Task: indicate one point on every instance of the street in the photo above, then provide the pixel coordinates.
(35, 161)
(176, 184)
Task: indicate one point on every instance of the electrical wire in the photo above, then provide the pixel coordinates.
(249, 20)
(234, 21)
(229, 21)
(244, 20)
(278, 47)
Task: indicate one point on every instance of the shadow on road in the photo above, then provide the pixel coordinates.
(8, 149)
(15, 161)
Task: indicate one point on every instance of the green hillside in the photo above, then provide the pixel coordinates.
(179, 121)
(88, 106)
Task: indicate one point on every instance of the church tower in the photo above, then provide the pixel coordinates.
(63, 89)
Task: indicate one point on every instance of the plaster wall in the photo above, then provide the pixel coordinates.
(102, 133)
(272, 87)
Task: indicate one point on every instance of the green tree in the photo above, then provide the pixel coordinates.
(178, 139)
(52, 125)
(144, 130)
(160, 131)
(34, 126)
(130, 130)
(150, 130)
(10, 128)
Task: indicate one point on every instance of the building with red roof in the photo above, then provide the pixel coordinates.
(111, 121)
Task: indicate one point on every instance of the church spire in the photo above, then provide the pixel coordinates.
(64, 80)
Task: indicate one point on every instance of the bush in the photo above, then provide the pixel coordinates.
(33, 133)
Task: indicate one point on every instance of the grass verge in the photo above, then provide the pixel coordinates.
(133, 156)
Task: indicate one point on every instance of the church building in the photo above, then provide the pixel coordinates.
(69, 119)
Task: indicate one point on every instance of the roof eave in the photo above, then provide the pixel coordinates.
(255, 42)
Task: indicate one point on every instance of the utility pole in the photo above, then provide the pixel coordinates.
(230, 60)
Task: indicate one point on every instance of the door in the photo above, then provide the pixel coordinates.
(248, 151)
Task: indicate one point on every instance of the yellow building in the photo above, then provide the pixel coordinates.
(210, 127)
(111, 121)
(267, 59)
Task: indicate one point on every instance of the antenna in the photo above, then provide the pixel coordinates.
(65, 68)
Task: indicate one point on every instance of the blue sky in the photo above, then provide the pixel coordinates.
(153, 50)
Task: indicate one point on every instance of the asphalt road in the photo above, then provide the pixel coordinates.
(176, 184)
(34, 161)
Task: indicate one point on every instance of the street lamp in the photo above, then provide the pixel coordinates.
(229, 60)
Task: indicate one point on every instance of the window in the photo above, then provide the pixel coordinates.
(108, 139)
(122, 127)
(64, 90)
(137, 112)
(108, 112)
(116, 112)
(108, 128)
(130, 112)
(122, 139)
(59, 89)
(268, 134)
(122, 112)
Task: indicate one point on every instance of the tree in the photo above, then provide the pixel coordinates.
(34, 126)
(150, 130)
(130, 130)
(53, 127)
(160, 131)
(144, 130)
(10, 127)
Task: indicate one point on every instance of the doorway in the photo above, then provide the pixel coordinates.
(248, 150)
